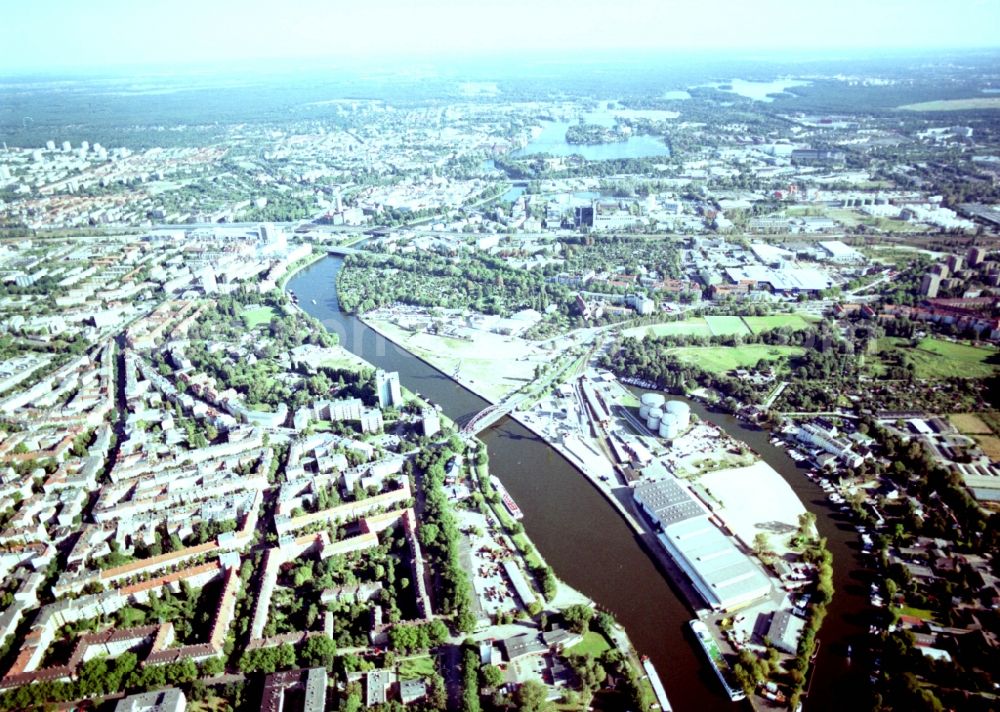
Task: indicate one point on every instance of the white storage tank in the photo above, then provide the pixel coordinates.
(653, 419)
(644, 411)
(683, 412)
(653, 400)
(669, 426)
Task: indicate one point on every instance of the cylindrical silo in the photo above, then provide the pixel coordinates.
(668, 426)
(683, 412)
(653, 419)
(653, 400)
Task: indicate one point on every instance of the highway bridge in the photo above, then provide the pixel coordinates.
(343, 251)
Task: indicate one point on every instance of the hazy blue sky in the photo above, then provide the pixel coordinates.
(81, 33)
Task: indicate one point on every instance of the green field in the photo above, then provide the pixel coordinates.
(758, 324)
(415, 668)
(980, 102)
(727, 325)
(922, 613)
(720, 359)
(936, 359)
(687, 327)
(593, 643)
(720, 326)
(258, 316)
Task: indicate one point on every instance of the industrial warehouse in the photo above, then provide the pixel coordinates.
(723, 575)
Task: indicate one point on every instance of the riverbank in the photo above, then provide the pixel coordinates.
(296, 267)
(619, 497)
(530, 423)
(480, 389)
(588, 544)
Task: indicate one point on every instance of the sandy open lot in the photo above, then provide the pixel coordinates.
(492, 364)
(756, 499)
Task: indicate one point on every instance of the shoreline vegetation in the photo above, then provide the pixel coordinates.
(593, 135)
(557, 592)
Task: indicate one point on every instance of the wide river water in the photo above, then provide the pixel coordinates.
(589, 545)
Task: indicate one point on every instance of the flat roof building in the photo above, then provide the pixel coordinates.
(722, 574)
(785, 630)
(169, 700)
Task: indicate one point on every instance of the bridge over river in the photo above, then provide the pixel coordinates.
(491, 414)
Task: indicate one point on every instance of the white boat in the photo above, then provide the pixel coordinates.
(654, 681)
(507, 500)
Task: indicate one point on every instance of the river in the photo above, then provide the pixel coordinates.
(581, 536)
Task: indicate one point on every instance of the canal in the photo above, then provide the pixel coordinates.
(582, 537)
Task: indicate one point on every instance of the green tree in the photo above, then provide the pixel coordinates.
(531, 697)
(318, 651)
(492, 676)
(578, 617)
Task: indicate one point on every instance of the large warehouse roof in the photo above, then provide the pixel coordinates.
(668, 501)
(723, 575)
(786, 279)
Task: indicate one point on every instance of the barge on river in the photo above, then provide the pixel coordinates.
(719, 664)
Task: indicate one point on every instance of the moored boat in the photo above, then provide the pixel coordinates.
(507, 500)
(654, 681)
(715, 656)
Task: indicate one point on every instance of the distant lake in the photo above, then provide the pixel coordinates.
(758, 91)
(552, 140)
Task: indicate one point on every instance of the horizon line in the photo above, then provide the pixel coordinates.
(549, 54)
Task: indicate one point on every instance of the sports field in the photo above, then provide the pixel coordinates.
(727, 325)
(720, 359)
(687, 327)
(758, 324)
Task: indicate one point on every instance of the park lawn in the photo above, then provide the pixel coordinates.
(255, 317)
(593, 643)
(687, 327)
(415, 668)
(721, 359)
(922, 613)
(759, 324)
(727, 325)
(938, 359)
